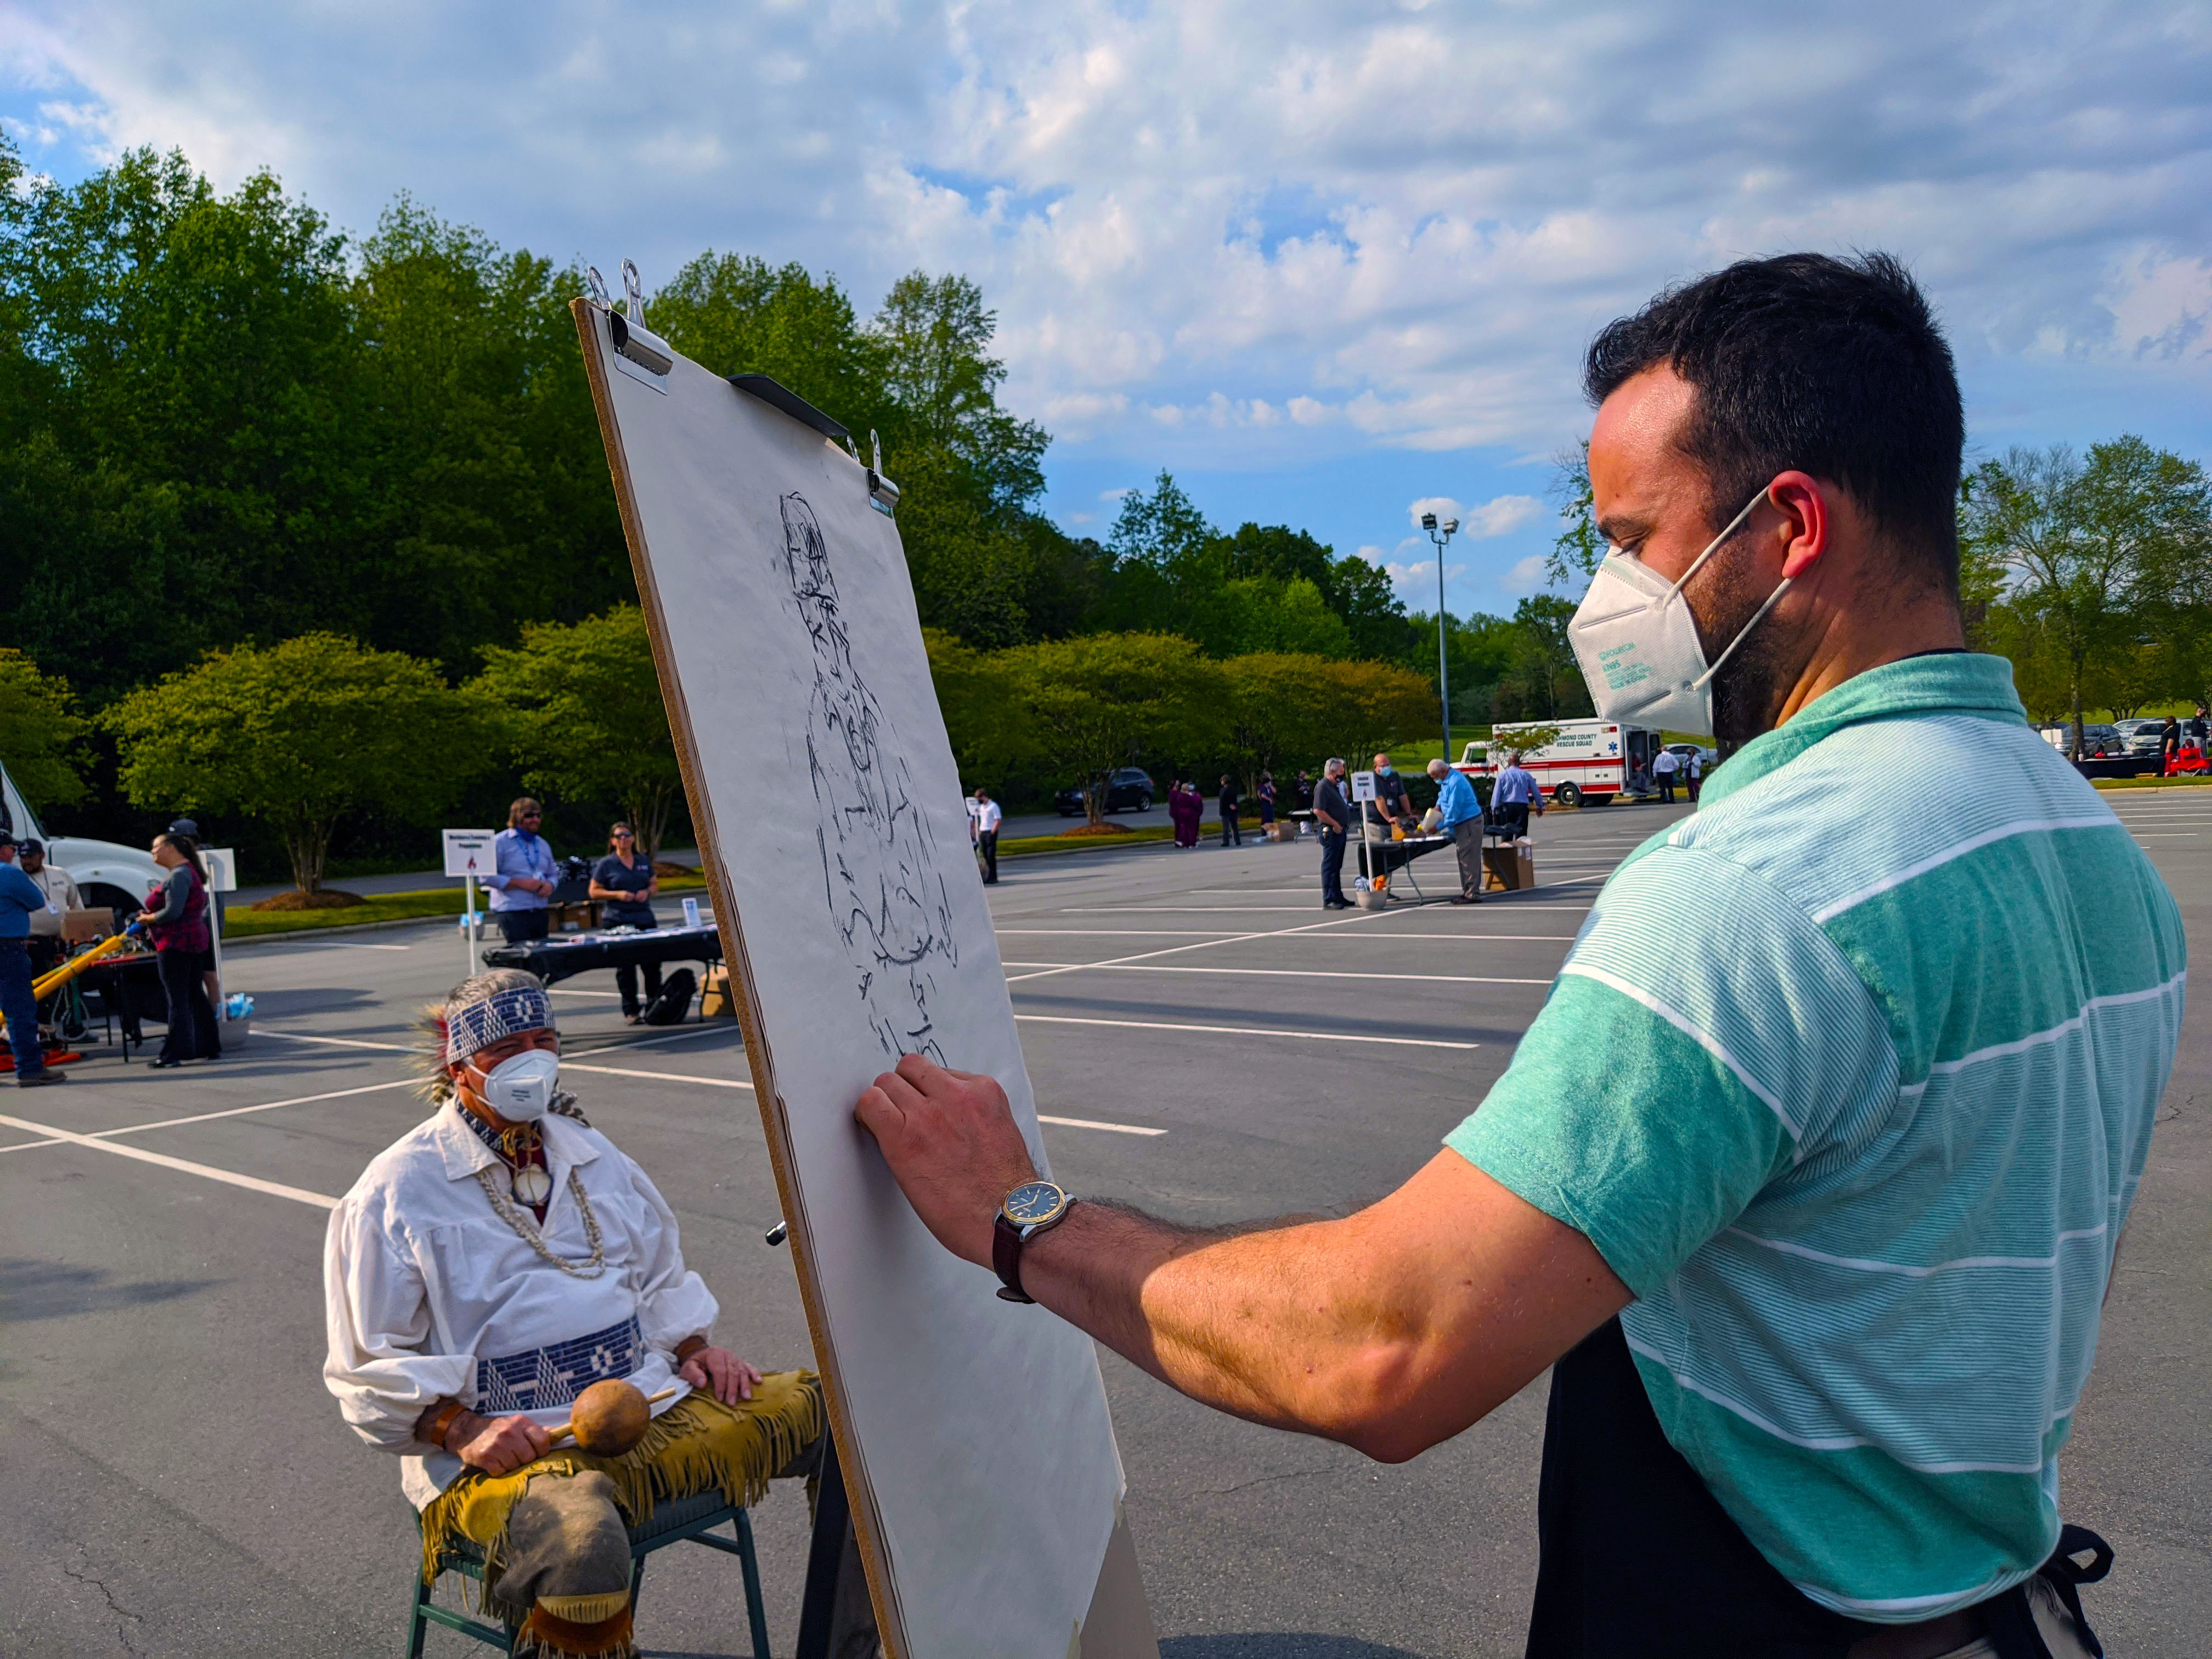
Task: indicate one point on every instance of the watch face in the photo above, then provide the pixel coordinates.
(1034, 1201)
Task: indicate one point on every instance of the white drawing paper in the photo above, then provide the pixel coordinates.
(832, 811)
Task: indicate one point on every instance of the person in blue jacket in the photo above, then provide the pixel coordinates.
(20, 898)
(1459, 814)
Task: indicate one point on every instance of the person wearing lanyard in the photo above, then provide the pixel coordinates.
(625, 886)
(176, 918)
(21, 898)
(1333, 816)
(523, 876)
(1807, 1180)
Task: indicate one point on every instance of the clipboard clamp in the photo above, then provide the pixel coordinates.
(883, 493)
(639, 352)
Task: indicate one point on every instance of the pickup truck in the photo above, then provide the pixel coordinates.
(106, 873)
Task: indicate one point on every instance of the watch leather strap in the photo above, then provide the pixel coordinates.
(1006, 1259)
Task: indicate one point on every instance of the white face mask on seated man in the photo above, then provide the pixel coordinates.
(522, 1087)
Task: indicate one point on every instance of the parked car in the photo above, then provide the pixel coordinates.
(2141, 736)
(2102, 742)
(107, 874)
(1130, 789)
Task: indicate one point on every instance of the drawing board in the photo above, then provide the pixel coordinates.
(973, 1432)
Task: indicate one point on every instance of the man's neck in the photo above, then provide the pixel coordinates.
(1852, 645)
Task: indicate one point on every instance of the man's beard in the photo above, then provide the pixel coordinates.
(1745, 689)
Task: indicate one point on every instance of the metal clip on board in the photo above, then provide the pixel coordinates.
(647, 358)
(639, 352)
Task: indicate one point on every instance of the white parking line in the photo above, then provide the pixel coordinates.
(1282, 973)
(319, 944)
(1244, 1030)
(209, 1117)
(206, 1172)
(658, 1077)
(1090, 1123)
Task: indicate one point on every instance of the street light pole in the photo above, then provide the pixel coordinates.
(1441, 534)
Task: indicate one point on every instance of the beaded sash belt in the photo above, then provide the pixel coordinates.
(555, 1376)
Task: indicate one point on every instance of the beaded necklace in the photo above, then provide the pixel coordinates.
(526, 1231)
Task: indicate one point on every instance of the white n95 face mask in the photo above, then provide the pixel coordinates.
(1637, 642)
(520, 1087)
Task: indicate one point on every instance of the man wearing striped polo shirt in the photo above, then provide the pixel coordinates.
(1808, 1179)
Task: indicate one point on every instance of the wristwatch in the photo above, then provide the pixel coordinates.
(1033, 1207)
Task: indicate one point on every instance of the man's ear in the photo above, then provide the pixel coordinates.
(1802, 501)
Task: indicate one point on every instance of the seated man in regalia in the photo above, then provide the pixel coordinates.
(500, 1259)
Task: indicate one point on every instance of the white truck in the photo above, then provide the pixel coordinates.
(1587, 763)
(106, 873)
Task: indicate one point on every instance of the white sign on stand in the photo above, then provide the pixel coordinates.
(470, 853)
(1363, 786)
(221, 878)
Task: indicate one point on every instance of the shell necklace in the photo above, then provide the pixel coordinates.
(527, 1231)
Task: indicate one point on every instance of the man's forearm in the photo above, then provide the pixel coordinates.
(1263, 1322)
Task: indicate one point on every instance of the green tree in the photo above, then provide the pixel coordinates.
(41, 733)
(1362, 707)
(2092, 551)
(298, 736)
(578, 705)
(1578, 549)
(1101, 700)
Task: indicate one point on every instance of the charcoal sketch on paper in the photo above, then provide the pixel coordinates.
(879, 874)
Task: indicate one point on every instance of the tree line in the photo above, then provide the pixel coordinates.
(230, 430)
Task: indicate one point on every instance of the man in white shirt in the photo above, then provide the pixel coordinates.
(495, 1262)
(55, 883)
(1662, 773)
(983, 819)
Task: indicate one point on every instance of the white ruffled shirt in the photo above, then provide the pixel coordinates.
(422, 1280)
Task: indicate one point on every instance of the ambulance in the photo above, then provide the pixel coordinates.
(1586, 764)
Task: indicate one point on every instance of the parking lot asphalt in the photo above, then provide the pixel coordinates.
(1204, 1042)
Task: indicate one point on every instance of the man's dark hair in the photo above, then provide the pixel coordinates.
(1832, 366)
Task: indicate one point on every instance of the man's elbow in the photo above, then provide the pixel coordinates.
(1376, 1405)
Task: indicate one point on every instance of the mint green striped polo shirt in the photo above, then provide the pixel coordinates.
(1850, 1076)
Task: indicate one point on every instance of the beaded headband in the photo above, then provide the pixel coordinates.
(501, 1014)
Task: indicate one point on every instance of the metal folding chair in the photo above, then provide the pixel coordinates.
(691, 1519)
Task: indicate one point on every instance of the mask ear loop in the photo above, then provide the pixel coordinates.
(1743, 632)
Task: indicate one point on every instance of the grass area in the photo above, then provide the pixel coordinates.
(241, 923)
(1135, 836)
(2198, 782)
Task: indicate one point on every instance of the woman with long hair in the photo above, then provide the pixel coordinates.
(625, 886)
(176, 919)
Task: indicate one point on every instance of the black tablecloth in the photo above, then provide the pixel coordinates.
(566, 955)
(1386, 857)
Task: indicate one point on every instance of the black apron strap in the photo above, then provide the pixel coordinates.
(1639, 1557)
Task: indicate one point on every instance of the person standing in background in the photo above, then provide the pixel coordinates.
(1333, 814)
(625, 885)
(1512, 796)
(1389, 810)
(1266, 793)
(1662, 773)
(523, 876)
(1694, 770)
(983, 820)
(1185, 806)
(1459, 814)
(21, 898)
(1231, 834)
(2169, 745)
(176, 918)
(61, 896)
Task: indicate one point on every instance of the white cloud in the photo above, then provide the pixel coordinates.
(1526, 576)
(1501, 516)
(1228, 232)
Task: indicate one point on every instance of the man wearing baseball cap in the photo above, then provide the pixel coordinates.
(20, 899)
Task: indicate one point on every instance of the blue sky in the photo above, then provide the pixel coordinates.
(1323, 261)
